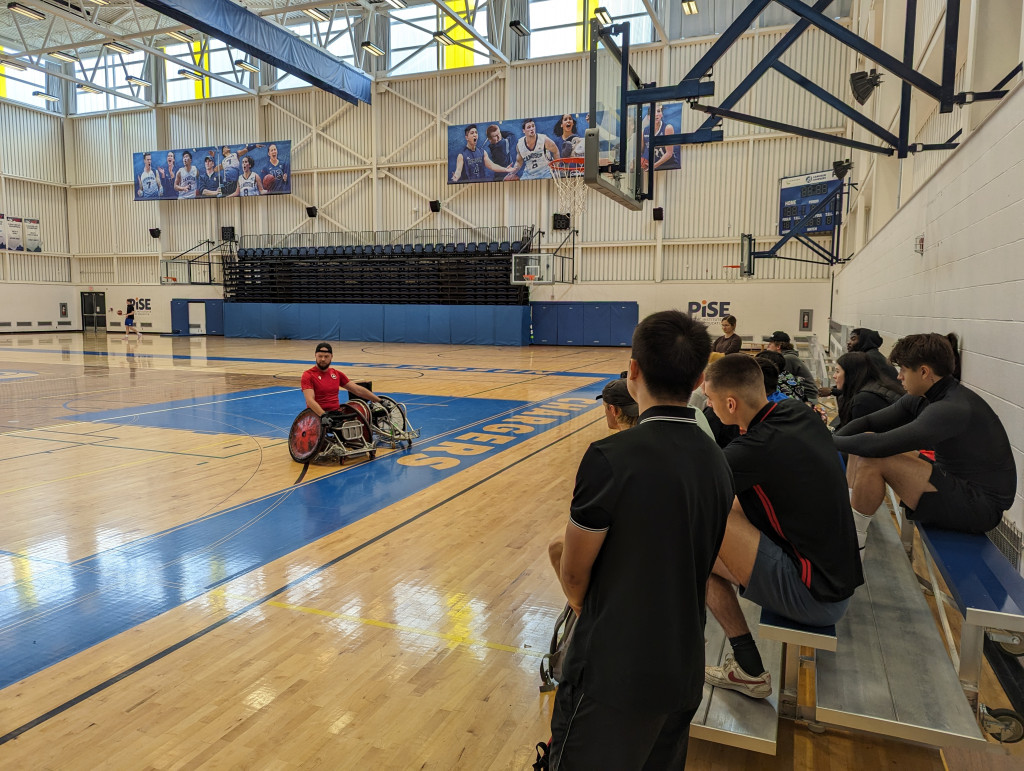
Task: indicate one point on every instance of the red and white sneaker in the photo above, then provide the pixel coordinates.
(731, 675)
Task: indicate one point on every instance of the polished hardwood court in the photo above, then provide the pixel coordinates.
(237, 620)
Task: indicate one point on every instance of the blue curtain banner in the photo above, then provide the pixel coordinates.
(227, 171)
(521, 149)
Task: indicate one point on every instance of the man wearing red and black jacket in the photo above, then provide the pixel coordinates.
(790, 544)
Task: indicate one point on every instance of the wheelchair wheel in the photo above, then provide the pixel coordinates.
(306, 437)
(355, 423)
(389, 417)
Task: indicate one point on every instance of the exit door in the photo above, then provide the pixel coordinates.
(94, 311)
(197, 318)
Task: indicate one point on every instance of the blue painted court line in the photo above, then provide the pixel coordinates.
(338, 364)
(269, 412)
(59, 612)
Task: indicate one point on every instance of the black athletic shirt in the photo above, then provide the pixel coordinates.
(792, 488)
(969, 441)
(662, 491)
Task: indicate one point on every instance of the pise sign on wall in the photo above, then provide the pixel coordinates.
(716, 309)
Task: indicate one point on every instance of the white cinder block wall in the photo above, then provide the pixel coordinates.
(970, 279)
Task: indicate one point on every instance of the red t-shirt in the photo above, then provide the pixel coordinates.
(325, 384)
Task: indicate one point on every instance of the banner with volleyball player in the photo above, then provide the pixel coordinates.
(520, 149)
(226, 171)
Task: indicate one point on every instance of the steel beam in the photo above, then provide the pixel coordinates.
(459, 21)
(949, 42)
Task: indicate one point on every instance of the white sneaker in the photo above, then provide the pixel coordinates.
(731, 675)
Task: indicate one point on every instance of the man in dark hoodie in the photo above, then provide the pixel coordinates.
(867, 341)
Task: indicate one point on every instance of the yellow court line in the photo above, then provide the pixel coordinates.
(457, 639)
(114, 468)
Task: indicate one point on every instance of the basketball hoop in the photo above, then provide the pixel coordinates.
(568, 176)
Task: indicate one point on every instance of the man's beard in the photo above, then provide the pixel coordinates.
(323, 367)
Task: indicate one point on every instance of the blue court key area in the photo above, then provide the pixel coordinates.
(66, 608)
(269, 412)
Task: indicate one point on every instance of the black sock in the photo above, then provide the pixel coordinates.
(744, 650)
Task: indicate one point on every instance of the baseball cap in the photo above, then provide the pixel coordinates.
(616, 392)
(325, 347)
(778, 337)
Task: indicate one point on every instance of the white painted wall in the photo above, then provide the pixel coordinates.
(970, 279)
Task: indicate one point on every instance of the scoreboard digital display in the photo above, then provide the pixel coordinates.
(799, 195)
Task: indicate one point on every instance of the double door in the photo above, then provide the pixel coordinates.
(94, 311)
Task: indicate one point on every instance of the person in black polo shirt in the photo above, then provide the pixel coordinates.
(647, 517)
(790, 544)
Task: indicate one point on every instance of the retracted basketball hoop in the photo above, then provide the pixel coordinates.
(568, 176)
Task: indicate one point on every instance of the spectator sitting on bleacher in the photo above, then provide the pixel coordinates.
(972, 479)
(862, 387)
(780, 343)
(790, 543)
(788, 384)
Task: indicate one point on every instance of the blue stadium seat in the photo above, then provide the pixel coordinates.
(293, 252)
(460, 248)
(417, 249)
(481, 248)
(471, 248)
(407, 249)
(492, 247)
(331, 251)
(516, 246)
(349, 251)
(275, 253)
(378, 250)
(450, 248)
(321, 251)
(303, 251)
(428, 248)
(505, 247)
(388, 250)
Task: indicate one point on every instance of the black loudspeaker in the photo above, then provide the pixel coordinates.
(155, 232)
(435, 206)
(311, 211)
(560, 221)
(227, 234)
(659, 214)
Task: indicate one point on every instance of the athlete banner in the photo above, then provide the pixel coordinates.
(227, 171)
(520, 149)
(14, 242)
(33, 240)
(3, 233)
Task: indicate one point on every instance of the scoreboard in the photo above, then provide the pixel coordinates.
(801, 194)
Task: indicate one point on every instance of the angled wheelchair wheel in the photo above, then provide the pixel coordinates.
(388, 417)
(354, 425)
(306, 437)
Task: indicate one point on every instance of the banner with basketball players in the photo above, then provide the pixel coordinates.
(227, 171)
(521, 149)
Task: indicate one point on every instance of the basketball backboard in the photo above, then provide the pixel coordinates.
(614, 136)
(533, 269)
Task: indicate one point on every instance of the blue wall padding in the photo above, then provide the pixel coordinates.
(584, 323)
(439, 324)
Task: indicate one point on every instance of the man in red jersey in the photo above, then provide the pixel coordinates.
(321, 384)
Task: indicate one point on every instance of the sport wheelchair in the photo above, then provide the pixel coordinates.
(355, 428)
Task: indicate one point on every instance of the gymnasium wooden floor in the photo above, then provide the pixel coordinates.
(173, 596)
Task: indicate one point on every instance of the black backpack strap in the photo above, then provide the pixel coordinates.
(541, 764)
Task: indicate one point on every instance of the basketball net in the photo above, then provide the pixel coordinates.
(572, 191)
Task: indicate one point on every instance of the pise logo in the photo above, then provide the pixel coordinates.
(709, 310)
(143, 304)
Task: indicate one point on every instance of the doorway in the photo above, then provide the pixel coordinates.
(94, 311)
(197, 318)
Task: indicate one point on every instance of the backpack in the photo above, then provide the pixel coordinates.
(551, 663)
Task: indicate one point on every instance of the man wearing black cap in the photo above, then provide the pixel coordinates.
(620, 409)
(780, 343)
(321, 384)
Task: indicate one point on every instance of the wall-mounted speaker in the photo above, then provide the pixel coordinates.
(311, 211)
(659, 214)
(155, 232)
(227, 234)
(560, 221)
(435, 206)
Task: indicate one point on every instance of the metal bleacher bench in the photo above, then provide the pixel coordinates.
(989, 593)
(882, 669)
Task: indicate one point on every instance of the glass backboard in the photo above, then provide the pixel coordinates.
(614, 136)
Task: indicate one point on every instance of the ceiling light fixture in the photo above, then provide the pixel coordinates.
(248, 66)
(64, 56)
(862, 84)
(370, 48)
(602, 15)
(184, 37)
(689, 7)
(46, 96)
(100, 2)
(87, 88)
(121, 48)
(316, 13)
(190, 74)
(12, 65)
(519, 28)
(399, 4)
(138, 81)
(443, 38)
(31, 13)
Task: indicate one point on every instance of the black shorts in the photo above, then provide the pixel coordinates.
(955, 504)
(587, 734)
